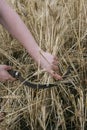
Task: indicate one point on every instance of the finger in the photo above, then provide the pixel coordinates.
(11, 78)
(55, 58)
(55, 68)
(7, 79)
(7, 67)
(55, 62)
(55, 75)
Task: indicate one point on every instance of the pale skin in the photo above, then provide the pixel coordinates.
(16, 27)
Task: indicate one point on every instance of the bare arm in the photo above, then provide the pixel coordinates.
(18, 29)
(13, 23)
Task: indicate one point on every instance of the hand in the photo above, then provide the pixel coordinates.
(4, 75)
(50, 64)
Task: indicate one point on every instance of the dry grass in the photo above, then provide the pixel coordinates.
(59, 26)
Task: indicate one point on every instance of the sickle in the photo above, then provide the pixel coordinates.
(17, 75)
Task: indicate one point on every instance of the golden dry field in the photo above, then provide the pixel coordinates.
(59, 27)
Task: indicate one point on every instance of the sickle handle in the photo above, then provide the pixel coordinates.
(14, 73)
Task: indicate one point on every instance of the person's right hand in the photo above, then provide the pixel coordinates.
(4, 75)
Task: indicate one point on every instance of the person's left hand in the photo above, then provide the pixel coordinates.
(50, 64)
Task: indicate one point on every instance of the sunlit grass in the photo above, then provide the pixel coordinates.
(59, 27)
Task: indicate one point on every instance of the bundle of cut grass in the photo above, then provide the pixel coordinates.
(59, 27)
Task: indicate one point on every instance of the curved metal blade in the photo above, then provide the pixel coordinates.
(18, 76)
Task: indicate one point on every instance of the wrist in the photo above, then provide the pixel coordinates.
(35, 53)
(38, 56)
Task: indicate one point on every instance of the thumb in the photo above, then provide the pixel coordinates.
(7, 67)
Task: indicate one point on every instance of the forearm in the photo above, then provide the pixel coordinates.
(15, 26)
